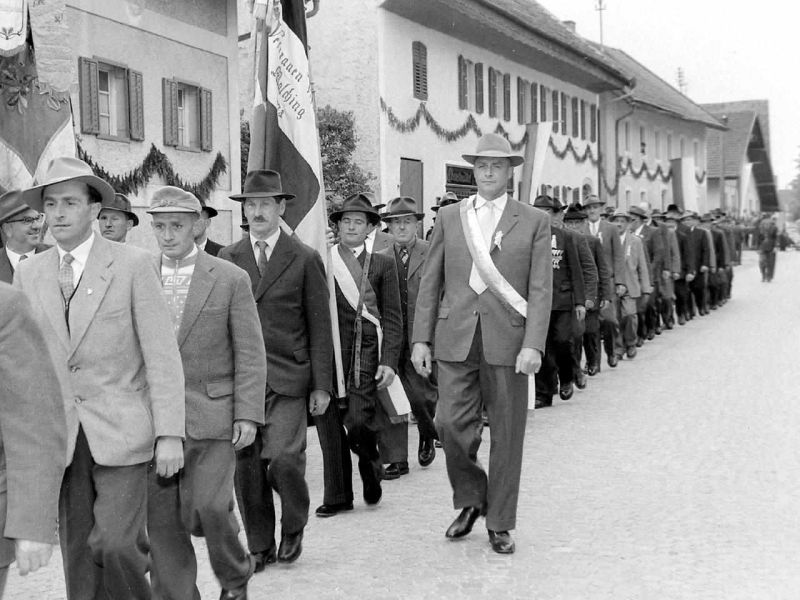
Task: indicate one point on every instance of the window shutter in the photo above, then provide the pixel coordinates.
(534, 102)
(543, 100)
(205, 120)
(575, 124)
(462, 83)
(506, 97)
(583, 119)
(170, 111)
(479, 88)
(555, 112)
(492, 92)
(593, 123)
(420, 70)
(136, 105)
(564, 114)
(90, 103)
(521, 85)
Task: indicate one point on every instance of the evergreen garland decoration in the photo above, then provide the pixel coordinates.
(157, 163)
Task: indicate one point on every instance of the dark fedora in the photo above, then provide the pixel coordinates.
(592, 200)
(446, 200)
(575, 212)
(11, 204)
(262, 184)
(636, 211)
(360, 202)
(210, 211)
(546, 202)
(120, 203)
(400, 207)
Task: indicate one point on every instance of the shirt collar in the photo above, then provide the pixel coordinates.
(639, 230)
(271, 240)
(409, 246)
(80, 253)
(499, 203)
(202, 245)
(15, 256)
(165, 260)
(358, 250)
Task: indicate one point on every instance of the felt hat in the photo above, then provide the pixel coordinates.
(446, 200)
(170, 199)
(575, 212)
(592, 200)
(11, 204)
(120, 203)
(620, 213)
(547, 202)
(635, 211)
(359, 202)
(401, 207)
(63, 169)
(209, 210)
(689, 214)
(262, 184)
(492, 145)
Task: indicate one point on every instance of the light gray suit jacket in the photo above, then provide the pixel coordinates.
(118, 364)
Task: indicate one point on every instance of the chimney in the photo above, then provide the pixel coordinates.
(570, 25)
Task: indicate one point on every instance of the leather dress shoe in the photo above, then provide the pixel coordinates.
(330, 510)
(239, 593)
(593, 370)
(371, 478)
(681, 320)
(659, 329)
(565, 391)
(650, 336)
(613, 359)
(426, 452)
(501, 542)
(395, 470)
(639, 342)
(580, 380)
(543, 401)
(291, 547)
(464, 522)
(631, 352)
(437, 444)
(262, 559)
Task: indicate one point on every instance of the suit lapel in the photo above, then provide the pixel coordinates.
(202, 282)
(244, 258)
(6, 272)
(91, 290)
(50, 297)
(281, 256)
(506, 223)
(415, 259)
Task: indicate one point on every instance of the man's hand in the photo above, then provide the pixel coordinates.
(529, 360)
(244, 433)
(421, 358)
(621, 289)
(384, 376)
(169, 455)
(318, 402)
(589, 304)
(330, 238)
(32, 555)
(689, 277)
(604, 303)
(676, 276)
(703, 269)
(580, 312)
(666, 274)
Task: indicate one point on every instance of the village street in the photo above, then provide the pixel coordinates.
(675, 475)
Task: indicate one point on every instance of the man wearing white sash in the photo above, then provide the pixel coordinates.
(370, 330)
(484, 304)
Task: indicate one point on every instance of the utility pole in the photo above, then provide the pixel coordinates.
(600, 7)
(683, 86)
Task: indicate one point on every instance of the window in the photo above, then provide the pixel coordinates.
(111, 99)
(564, 114)
(479, 88)
(583, 119)
(669, 146)
(419, 58)
(664, 199)
(534, 102)
(555, 112)
(463, 86)
(187, 116)
(642, 140)
(575, 116)
(492, 92)
(593, 125)
(683, 147)
(576, 196)
(627, 198)
(506, 97)
(657, 144)
(696, 152)
(642, 197)
(543, 103)
(556, 193)
(523, 101)
(627, 136)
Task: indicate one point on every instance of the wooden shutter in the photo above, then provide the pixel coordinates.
(521, 89)
(170, 111)
(555, 112)
(575, 116)
(492, 92)
(136, 105)
(420, 69)
(564, 114)
(479, 88)
(583, 119)
(534, 103)
(205, 119)
(543, 101)
(462, 83)
(506, 97)
(90, 102)
(593, 123)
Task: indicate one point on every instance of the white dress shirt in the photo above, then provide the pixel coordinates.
(14, 257)
(80, 255)
(489, 221)
(271, 240)
(594, 228)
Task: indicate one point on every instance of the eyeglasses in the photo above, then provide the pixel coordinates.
(27, 220)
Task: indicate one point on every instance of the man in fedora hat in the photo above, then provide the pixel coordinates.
(683, 298)
(665, 304)
(201, 238)
(371, 334)
(447, 199)
(701, 250)
(116, 218)
(641, 226)
(291, 293)
(225, 369)
(409, 253)
(101, 310)
(485, 300)
(20, 226)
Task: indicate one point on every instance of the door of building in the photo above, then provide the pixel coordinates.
(411, 184)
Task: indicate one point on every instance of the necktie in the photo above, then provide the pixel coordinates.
(404, 255)
(262, 257)
(23, 257)
(65, 277)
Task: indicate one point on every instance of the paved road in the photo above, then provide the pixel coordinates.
(676, 475)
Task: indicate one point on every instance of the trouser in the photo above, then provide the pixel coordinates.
(337, 467)
(683, 299)
(465, 388)
(611, 332)
(591, 327)
(591, 339)
(766, 262)
(393, 441)
(197, 501)
(666, 311)
(276, 460)
(698, 287)
(557, 360)
(729, 287)
(628, 319)
(102, 528)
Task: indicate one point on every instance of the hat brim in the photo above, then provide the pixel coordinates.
(14, 212)
(593, 203)
(171, 209)
(131, 215)
(373, 217)
(212, 212)
(276, 195)
(33, 196)
(397, 215)
(615, 217)
(516, 159)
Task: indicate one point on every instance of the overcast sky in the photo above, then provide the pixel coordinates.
(729, 50)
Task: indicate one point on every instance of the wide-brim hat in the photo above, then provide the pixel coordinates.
(619, 214)
(446, 200)
(62, 169)
(706, 218)
(120, 204)
(689, 214)
(262, 183)
(359, 202)
(210, 210)
(492, 145)
(546, 202)
(11, 204)
(170, 199)
(593, 200)
(575, 212)
(635, 211)
(402, 206)
(657, 214)
(674, 208)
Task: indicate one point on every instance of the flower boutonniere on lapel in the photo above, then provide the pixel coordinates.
(498, 239)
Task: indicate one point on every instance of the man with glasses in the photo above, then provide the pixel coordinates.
(20, 226)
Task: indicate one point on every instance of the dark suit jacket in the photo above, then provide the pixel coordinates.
(721, 248)
(686, 250)
(212, 247)
(568, 286)
(382, 241)
(654, 250)
(292, 300)
(222, 350)
(416, 259)
(6, 271)
(588, 267)
(698, 240)
(382, 277)
(32, 429)
(605, 283)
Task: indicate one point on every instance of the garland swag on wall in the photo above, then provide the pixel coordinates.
(157, 163)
